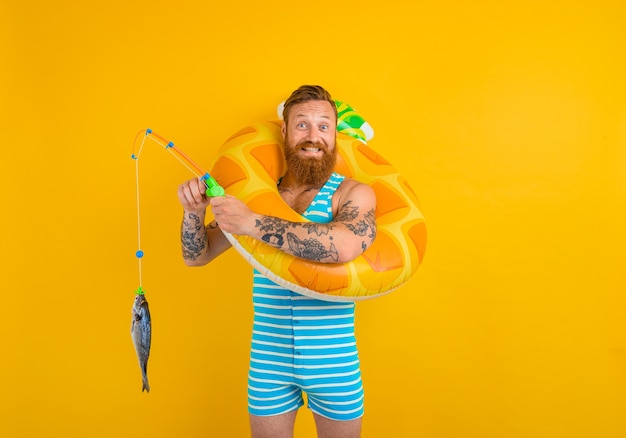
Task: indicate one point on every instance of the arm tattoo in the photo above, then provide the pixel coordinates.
(364, 227)
(370, 218)
(318, 229)
(311, 249)
(193, 236)
(275, 233)
(274, 230)
(347, 213)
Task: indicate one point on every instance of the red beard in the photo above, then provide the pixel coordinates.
(310, 171)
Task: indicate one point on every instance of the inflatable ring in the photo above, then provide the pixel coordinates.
(249, 165)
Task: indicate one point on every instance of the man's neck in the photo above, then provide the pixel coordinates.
(290, 184)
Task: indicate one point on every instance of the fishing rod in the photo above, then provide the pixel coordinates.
(212, 186)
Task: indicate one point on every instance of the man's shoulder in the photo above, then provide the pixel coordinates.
(350, 188)
(346, 184)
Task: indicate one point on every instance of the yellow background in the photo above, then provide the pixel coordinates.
(508, 119)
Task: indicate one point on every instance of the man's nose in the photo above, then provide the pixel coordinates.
(313, 136)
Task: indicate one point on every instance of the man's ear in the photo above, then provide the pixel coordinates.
(283, 129)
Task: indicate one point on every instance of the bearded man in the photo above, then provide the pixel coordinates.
(299, 344)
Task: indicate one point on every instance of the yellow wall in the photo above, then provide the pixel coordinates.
(508, 118)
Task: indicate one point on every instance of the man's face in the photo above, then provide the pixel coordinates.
(310, 134)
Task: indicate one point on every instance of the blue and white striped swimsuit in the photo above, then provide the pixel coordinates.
(301, 344)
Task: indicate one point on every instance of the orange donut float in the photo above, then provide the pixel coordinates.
(249, 165)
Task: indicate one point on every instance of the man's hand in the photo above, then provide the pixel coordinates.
(192, 195)
(232, 215)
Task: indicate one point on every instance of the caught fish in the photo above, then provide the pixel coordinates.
(141, 331)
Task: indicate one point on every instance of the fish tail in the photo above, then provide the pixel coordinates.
(146, 385)
(144, 375)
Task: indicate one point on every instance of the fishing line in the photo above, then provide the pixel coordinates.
(139, 253)
(211, 185)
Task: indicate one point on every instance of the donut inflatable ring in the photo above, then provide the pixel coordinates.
(249, 165)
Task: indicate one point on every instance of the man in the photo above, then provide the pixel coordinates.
(299, 344)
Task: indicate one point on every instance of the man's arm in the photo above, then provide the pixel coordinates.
(200, 243)
(350, 233)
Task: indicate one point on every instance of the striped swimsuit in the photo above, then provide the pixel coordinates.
(301, 344)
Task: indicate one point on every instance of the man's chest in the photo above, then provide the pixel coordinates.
(298, 202)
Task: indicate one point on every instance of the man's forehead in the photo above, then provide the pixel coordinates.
(319, 108)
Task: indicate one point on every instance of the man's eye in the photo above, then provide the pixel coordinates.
(301, 125)
(324, 127)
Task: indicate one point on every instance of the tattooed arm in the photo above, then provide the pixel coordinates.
(350, 233)
(200, 243)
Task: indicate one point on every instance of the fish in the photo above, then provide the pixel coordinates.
(141, 331)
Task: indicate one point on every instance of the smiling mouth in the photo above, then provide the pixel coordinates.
(311, 149)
